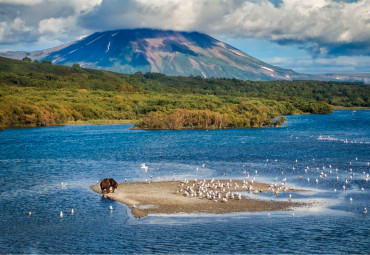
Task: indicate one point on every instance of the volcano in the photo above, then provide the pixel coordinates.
(169, 52)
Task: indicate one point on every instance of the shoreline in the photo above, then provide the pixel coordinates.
(174, 197)
(120, 122)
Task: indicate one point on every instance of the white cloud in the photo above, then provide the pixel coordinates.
(323, 23)
(7, 29)
(83, 5)
(325, 27)
(21, 2)
(308, 64)
(55, 25)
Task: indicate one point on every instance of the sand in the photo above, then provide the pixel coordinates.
(168, 197)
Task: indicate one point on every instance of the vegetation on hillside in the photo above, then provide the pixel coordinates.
(34, 94)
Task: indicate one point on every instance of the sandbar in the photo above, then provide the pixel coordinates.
(200, 197)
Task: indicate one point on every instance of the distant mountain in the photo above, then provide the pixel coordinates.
(163, 51)
(170, 52)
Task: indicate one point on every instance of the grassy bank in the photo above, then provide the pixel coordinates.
(42, 94)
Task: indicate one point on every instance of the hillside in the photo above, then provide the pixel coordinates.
(42, 94)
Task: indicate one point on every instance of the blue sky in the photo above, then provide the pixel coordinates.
(318, 36)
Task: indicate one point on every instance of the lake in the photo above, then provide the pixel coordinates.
(330, 148)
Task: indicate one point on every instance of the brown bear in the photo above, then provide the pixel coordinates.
(106, 184)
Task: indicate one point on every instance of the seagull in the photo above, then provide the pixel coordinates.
(351, 200)
(203, 165)
(30, 213)
(64, 184)
(365, 211)
(111, 208)
(72, 211)
(61, 214)
(144, 167)
(269, 215)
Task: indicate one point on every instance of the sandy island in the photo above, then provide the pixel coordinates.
(209, 196)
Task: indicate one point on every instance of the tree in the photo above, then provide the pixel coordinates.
(76, 66)
(27, 59)
(46, 62)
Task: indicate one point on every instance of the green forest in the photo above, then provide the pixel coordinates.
(36, 94)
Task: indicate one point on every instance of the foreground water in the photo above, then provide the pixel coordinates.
(34, 163)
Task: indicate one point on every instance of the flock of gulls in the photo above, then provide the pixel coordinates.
(325, 172)
(222, 191)
(219, 191)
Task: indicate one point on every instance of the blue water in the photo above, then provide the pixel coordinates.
(34, 163)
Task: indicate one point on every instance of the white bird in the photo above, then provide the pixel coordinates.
(64, 184)
(72, 211)
(335, 190)
(111, 207)
(61, 214)
(362, 189)
(365, 211)
(269, 215)
(203, 165)
(351, 200)
(144, 167)
(292, 215)
(30, 213)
